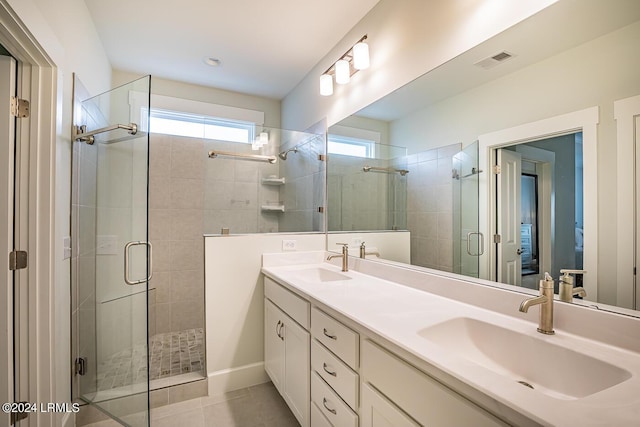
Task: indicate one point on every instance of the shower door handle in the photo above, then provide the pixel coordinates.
(480, 239)
(128, 246)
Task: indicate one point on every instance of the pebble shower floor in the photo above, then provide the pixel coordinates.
(171, 353)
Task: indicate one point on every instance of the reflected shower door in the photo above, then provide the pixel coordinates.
(467, 240)
(112, 266)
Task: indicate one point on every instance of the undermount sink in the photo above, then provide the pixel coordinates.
(319, 274)
(548, 368)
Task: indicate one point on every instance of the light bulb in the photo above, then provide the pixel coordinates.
(361, 56)
(343, 74)
(326, 85)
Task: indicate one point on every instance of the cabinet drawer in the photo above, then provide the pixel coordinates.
(417, 394)
(330, 404)
(335, 373)
(296, 307)
(317, 419)
(342, 341)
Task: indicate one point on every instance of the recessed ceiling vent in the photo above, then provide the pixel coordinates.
(494, 60)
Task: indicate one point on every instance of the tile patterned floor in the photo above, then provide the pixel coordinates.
(171, 353)
(257, 406)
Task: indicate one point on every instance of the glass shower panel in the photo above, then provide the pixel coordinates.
(468, 242)
(367, 193)
(274, 183)
(114, 259)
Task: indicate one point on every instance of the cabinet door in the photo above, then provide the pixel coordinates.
(273, 344)
(296, 369)
(376, 411)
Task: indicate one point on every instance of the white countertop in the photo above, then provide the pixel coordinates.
(398, 313)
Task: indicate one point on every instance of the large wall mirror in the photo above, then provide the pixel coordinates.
(506, 162)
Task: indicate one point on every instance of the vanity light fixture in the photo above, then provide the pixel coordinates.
(343, 71)
(353, 60)
(326, 85)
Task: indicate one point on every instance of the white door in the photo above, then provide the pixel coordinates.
(509, 266)
(273, 344)
(377, 411)
(7, 145)
(297, 349)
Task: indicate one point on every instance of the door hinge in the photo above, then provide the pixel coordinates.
(17, 416)
(17, 260)
(322, 157)
(81, 366)
(321, 209)
(497, 169)
(497, 238)
(19, 107)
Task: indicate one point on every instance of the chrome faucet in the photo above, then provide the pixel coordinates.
(567, 291)
(344, 255)
(364, 253)
(545, 300)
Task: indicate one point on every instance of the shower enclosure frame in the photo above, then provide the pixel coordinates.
(111, 256)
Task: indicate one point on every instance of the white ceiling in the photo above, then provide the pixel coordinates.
(266, 46)
(561, 26)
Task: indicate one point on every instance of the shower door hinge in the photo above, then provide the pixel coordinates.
(19, 107)
(17, 260)
(497, 169)
(81, 366)
(321, 209)
(17, 416)
(497, 238)
(322, 157)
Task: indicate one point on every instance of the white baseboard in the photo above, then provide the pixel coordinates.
(227, 380)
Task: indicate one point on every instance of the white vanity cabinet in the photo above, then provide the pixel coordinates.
(331, 374)
(287, 347)
(377, 411)
(396, 393)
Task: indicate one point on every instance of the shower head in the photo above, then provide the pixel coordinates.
(284, 154)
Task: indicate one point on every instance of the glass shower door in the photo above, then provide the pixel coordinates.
(467, 240)
(112, 266)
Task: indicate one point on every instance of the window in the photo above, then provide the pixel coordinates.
(198, 126)
(348, 146)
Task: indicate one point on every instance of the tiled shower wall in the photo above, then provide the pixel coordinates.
(176, 226)
(191, 195)
(430, 207)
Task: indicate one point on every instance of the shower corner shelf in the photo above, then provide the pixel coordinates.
(272, 208)
(273, 181)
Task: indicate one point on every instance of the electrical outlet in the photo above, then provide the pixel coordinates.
(289, 245)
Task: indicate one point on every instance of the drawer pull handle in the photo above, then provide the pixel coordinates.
(328, 335)
(280, 334)
(278, 327)
(324, 402)
(334, 373)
